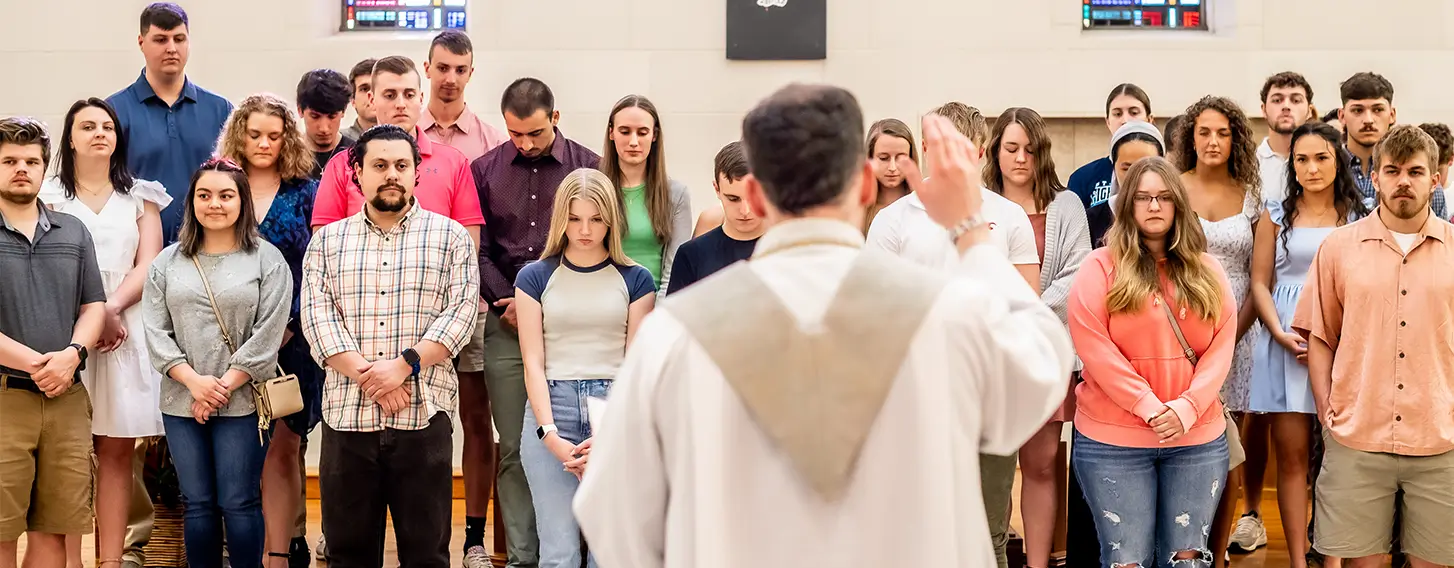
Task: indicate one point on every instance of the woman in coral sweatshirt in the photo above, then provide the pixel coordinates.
(1150, 450)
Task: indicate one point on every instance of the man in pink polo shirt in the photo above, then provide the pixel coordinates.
(447, 119)
(445, 184)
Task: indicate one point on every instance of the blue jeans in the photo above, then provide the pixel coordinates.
(1151, 504)
(219, 468)
(552, 487)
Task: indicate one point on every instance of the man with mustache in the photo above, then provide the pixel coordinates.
(1287, 100)
(389, 297)
(171, 124)
(51, 315)
(444, 182)
(1375, 312)
(1367, 115)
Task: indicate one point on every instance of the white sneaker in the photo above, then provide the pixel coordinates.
(476, 557)
(1250, 534)
(321, 553)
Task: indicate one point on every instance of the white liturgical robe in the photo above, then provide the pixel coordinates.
(686, 473)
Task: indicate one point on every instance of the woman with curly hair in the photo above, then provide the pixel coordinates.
(265, 137)
(1218, 159)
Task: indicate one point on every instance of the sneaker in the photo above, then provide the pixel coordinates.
(321, 553)
(1250, 534)
(476, 557)
(298, 556)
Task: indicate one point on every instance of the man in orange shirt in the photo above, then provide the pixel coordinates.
(1381, 365)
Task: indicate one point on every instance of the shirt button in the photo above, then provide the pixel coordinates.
(381, 292)
(532, 223)
(381, 324)
(1400, 354)
(530, 249)
(1403, 324)
(533, 170)
(1403, 292)
(1400, 386)
(1398, 419)
(386, 263)
(381, 353)
(532, 197)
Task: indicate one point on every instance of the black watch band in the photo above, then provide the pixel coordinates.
(82, 353)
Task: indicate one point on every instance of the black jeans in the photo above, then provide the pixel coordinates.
(1082, 544)
(366, 477)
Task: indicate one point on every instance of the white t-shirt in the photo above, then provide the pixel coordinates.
(1274, 173)
(905, 229)
(1405, 240)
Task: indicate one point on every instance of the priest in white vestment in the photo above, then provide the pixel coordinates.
(823, 405)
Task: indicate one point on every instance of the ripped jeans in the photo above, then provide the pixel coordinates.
(1151, 504)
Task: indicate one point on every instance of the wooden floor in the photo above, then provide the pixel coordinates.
(1273, 556)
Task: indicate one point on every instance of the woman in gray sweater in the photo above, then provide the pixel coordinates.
(207, 398)
(1018, 166)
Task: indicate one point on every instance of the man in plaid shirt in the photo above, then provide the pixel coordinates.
(389, 298)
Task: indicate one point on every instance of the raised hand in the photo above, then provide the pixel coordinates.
(951, 191)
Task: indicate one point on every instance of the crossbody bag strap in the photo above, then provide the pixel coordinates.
(1185, 349)
(212, 302)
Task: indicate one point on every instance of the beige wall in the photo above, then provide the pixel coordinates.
(901, 57)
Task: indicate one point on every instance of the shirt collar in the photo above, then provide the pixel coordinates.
(561, 145)
(403, 225)
(808, 232)
(466, 122)
(426, 146)
(1372, 228)
(43, 223)
(144, 91)
(1264, 151)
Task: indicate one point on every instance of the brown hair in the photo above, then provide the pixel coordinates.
(968, 120)
(1444, 138)
(1134, 278)
(189, 239)
(1284, 80)
(396, 64)
(295, 160)
(731, 162)
(658, 185)
(1402, 143)
(1129, 90)
(1365, 86)
(1242, 162)
(896, 128)
(1046, 182)
(22, 131)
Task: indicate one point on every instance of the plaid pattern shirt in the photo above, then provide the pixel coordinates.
(379, 292)
(1364, 179)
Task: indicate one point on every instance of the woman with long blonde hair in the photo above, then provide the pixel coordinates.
(265, 137)
(1153, 320)
(578, 307)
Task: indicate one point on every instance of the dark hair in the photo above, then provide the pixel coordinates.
(1130, 90)
(396, 64)
(804, 144)
(1137, 137)
(730, 162)
(1284, 80)
(1444, 138)
(324, 91)
(525, 96)
(166, 16)
(189, 239)
(1169, 135)
(384, 132)
(658, 184)
(1331, 116)
(1347, 198)
(120, 175)
(457, 42)
(1045, 182)
(1242, 163)
(1364, 86)
(23, 131)
(365, 67)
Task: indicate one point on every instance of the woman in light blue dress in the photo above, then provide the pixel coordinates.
(1321, 196)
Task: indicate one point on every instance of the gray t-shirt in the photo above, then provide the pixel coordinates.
(254, 291)
(44, 283)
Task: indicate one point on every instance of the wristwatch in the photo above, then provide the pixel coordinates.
(412, 358)
(83, 353)
(545, 430)
(968, 224)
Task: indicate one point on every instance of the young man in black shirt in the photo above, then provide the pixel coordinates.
(323, 96)
(734, 240)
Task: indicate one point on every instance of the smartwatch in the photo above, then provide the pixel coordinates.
(412, 358)
(82, 352)
(545, 430)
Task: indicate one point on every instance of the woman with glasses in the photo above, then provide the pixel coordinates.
(216, 307)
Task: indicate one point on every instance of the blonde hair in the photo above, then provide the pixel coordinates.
(968, 120)
(593, 186)
(1135, 280)
(295, 159)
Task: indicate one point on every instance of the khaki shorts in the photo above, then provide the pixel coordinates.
(1356, 497)
(472, 357)
(45, 463)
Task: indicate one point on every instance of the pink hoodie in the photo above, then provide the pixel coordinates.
(1134, 365)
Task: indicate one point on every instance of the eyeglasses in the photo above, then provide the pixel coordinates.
(1145, 200)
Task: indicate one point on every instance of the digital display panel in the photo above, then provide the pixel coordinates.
(403, 15)
(1143, 14)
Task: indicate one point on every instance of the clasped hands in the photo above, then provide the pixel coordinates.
(1167, 425)
(573, 456)
(209, 394)
(55, 372)
(382, 382)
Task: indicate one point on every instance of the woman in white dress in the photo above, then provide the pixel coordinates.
(124, 217)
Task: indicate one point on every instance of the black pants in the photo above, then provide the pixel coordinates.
(1082, 545)
(366, 477)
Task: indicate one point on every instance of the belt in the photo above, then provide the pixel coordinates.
(8, 381)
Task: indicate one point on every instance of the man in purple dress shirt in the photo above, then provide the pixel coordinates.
(517, 183)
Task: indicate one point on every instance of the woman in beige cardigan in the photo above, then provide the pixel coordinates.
(1019, 167)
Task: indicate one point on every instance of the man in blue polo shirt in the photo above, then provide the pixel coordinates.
(171, 124)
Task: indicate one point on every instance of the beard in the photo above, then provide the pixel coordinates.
(1408, 209)
(1280, 129)
(24, 195)
(389, 204)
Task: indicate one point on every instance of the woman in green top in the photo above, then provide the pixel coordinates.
(657, 209)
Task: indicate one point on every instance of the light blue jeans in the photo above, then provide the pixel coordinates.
(552, 487)
(1151, 504)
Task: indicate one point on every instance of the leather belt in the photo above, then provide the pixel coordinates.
(8, 381)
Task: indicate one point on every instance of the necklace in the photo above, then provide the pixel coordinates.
(94, 191)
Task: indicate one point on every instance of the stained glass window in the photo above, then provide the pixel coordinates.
(1143, 14)
(403, 15)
